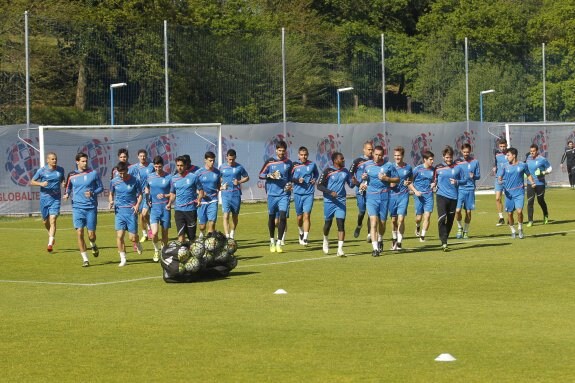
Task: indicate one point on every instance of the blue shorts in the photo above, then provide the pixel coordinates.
(333, 208)
(423, 204)
(303, 203)
(378, 205)
(398, 204)
(231, 203)
(145, 203)
(49, 206)
(278, 203)
(208, 212)
(361, 202)
(466, 199)
(498, 187)
(126, 220)
(514, 201)
(160, 215)
(87, 218)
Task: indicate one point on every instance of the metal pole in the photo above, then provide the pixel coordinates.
(383, 78)
(111, 106)
(27, 47)
(338, 114)
(544, 87)
(481, 107)
(284, 81)
(167, 86)
(467, 85)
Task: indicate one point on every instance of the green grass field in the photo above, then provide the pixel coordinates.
(503, 308)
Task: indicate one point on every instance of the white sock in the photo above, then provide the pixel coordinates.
(272, 241)
(399, 237)
(155, 246)
(500, 215)
(50, 240)
(374, 245)
(459, 225)
(325, 240)
(466, 227)
(340, 245)
(423, 233)
(379, 239)
(512, 228)
(394, 234)
(122, 256)
(92, 244)
(520, 226)
(300, 229)
(232, 233)
(84, 256)
(305, 234)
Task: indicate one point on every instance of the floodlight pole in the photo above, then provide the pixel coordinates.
(481, 102)
(112, 87)
(340, 90)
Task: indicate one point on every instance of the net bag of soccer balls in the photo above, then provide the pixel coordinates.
(212, 256)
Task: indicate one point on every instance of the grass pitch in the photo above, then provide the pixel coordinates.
(503, 308)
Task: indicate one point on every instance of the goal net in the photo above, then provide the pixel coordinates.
(102, 142)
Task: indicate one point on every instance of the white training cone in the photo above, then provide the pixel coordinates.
(445, 358)
(280, 291)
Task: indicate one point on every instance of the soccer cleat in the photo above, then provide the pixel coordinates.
(398, 246)
(272, 248)
(375, 253)
(138, 248)
(529, 224)
(340, 253)
(279, 248)
(417, 232)
(305, 242)
(143, 238)
(156, 257)
(394, 244)
(444, 248)
(122, 262)
(459, 233)
(513, 235)
(49, 248)
(325, 247)
(380, 246)
(521, 236)
(356, 232)
(501, 222)
(465, 235)
(545, 220)
(281, 242)
(85, 264)
(422, 239)
(95, 251)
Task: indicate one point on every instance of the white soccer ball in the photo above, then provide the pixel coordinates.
(193, 265)
(183, 254)
(197, 249)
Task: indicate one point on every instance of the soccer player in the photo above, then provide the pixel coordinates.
(511, 177)
(123, 156)
(538, 168)
(158, 185)
(500, 161)
(143, 169)
(377, 178)
(422, 188)
(233, 175)
(466, 192)
(332, 184)
(304, 177)
(186, 194)
(84, 185)
(210, 180)
(51, 179)
(125, 198)
(569, 156)
(276, 171)
(356, 169)
(399, 197)
(447, 178)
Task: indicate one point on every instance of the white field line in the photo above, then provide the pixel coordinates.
(271, 263)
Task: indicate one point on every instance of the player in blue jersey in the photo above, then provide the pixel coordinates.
(143, 168)
(399, 198)
(500, 161)
(51, 178)
(186, 194)
(332, 184)
(356, 170)
(233, 175)
(511, 178)
(466, 192)
(276, 171)
(123, 156)
(125, 198)
(84, 185)
(209, 177)
(158, 187)
(376, 183)
(422, 188)
(304, 177)
(538, 166)
(448, 177)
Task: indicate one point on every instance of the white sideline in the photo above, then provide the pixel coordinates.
(267, 264)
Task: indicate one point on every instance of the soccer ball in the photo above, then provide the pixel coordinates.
(211, 243)
(193, 265)
(197, 249)
(183, 254)
(231, 246)
(208, 258)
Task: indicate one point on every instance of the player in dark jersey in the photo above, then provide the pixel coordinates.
(568, 159)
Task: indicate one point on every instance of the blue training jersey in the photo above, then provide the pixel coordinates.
(308, 171)
(538, 163)
(55, 177)
(79, 183)
(471, 165)
(126, 191)
(228, 174)
(143, 171)
(423, 178)
(276, 187)
(334, 180)
(357, 168)
(443, 175)
(512, 176)
(500, 160)
(373, 170)
(158, 184)
(210, 180)
(404, 173)
(185, 187)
